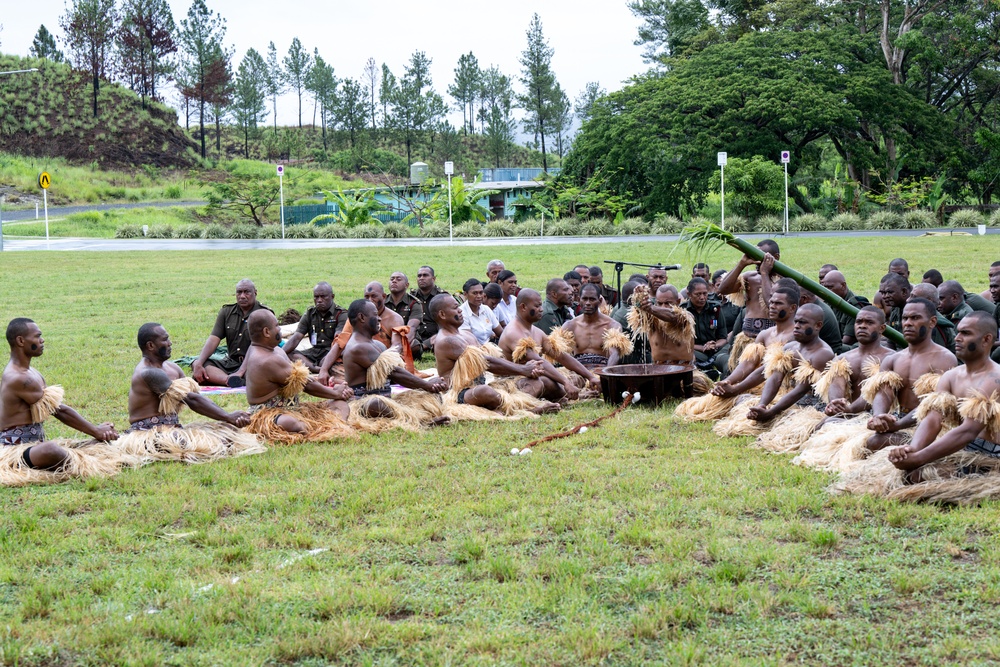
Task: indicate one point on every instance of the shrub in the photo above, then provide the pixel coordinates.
(919, 219)
(172, 192)
(468, 230)
(324, 219)
(844, 221)
(434, 230)
(737, 224)
(807, 222)
(529, 227)
(562, 228)
(966, 217)
(300, 232)
(161, 232)
(667, 224)
(214, 231)
(632, 227)
(242, 230)
(770, 224)
(333, 231)
(884, 220)
(128, 232)
(395, 230)
(189, 232)
(88, 217)
(269, 232)
(995, 218)
(364, 231)
(500, 228)
(598, 228)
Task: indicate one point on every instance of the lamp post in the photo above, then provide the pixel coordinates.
(449, 169)
(14, 71)
(786, 157)
(723, 158)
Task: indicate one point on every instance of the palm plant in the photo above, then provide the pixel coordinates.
(357, 208)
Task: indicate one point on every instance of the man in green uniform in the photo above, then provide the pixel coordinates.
(231, 324)
(404, 305)
(944, 332)
(426, 290)
(711, 354)
(608, 293)
(556, 310)
(953, 303)
(324, 320)
(834, 281)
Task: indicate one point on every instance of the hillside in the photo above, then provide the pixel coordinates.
(49, 114)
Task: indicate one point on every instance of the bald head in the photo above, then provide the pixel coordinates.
(925, 291)
(667, 295)
(262, 324)
(834, 281)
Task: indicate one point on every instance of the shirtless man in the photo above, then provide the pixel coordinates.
(551, 385)
(807, 348)
(845, 392)
(754, 286)
(590, 331)
(21, 387)
(677, 345)
(152, 378)
(389, 335)
(922, 355)
(268, 371)
(451, 343)
(977, 380)
(363, 350)
(750, 373)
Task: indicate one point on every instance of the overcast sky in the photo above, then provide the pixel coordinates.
(592, 38)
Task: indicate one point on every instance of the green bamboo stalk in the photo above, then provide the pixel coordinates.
(707, 234)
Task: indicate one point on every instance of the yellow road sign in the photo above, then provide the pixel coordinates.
(44, 180)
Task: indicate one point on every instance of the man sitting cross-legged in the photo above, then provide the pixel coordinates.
(392, 331)
(803, 361)
(158, 392)
(894, 391)
(598, 340)
(463, 362)
(369, 367)
(320, 325)
(26, 402)
(522, 342)
(273, 387)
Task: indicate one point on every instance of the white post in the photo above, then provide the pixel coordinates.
(723, 179)
(1, 224)
(786, 199)
(45, 198)
(281, 191)
(451, 238)
(36, 210)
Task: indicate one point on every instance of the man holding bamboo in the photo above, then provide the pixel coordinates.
(752, 290)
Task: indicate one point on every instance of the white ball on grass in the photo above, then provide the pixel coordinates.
(583, 429)
(525, 451)
(515, 451)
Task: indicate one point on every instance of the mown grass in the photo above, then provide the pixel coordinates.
(644, 541)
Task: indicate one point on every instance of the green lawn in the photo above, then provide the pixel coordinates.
(643, 541)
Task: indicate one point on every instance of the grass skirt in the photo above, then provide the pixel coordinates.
(87, 458)
(838, 446)
(194, 443)
(411, 411)
(790, 431)
(322, 424)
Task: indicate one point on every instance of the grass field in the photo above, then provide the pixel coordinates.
(644, 541)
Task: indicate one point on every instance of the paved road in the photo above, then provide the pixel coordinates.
(61, 211)
(133, 245)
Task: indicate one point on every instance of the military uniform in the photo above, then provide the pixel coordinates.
(846, 322)
(409, 308)
(231, 326)
(960, 311)
(320, 329)
(428, 328)
(553, 316)
(710, 324)
(610, 295)
(976, 302)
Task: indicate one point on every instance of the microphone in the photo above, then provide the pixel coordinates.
(668, 267)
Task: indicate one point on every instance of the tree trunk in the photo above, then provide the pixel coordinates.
(201, 125)
(300, 108)
(97, 87)
(218, 136)
(274, 100)
(246, 142)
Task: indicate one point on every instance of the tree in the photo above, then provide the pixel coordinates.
(669, 26)
(386, 93)
(90, 27)
(297, 64)
(754, 187)
(465, 89)
(219, 87)
(540, 96)
(44, 46)
(201, 35)
(497, 99)
(587, 99)
(322, 83)
(145, 42)
(562, 120)
(370, 79)
(415, 105)
(352, 111)
(249, 196)
(250, 92)
(275, 80)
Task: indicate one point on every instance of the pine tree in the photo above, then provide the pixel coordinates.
(322, 83)
(201, 36)
(275, 80)
(145, 42)
(250, 93)
(90, 27)
(587, 99)
(370, 79)
(465, 89)
(44, 46)
(297, 64)
(540, 88)
(386, 94)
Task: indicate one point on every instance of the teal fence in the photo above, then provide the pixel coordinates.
(299, 215)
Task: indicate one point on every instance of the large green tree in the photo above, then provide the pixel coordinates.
(201, 36)
(44, 46)
(541, 92)
(465, 89)
(297, 64)
(250, 92)
(90, 27)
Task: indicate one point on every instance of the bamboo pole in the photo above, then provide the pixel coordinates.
(708, 234)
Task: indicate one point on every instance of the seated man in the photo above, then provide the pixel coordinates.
(608, 293)
(656, 277)
(557, 309)
(369, 367)
(26, 402)
(894, 391)
(572, 279)
(522, 342)
(952, 301)
(403, 304)
(231, 324)
(834, 281)
(669, 327)
(463, 363)
(842, 386)
(321, 323)
(493, 269)
(598, 340)
(710, 352)
(273, 387)
(426, 290)
(966, 400)
(830, 333)
(944, 332)
(391, 334)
